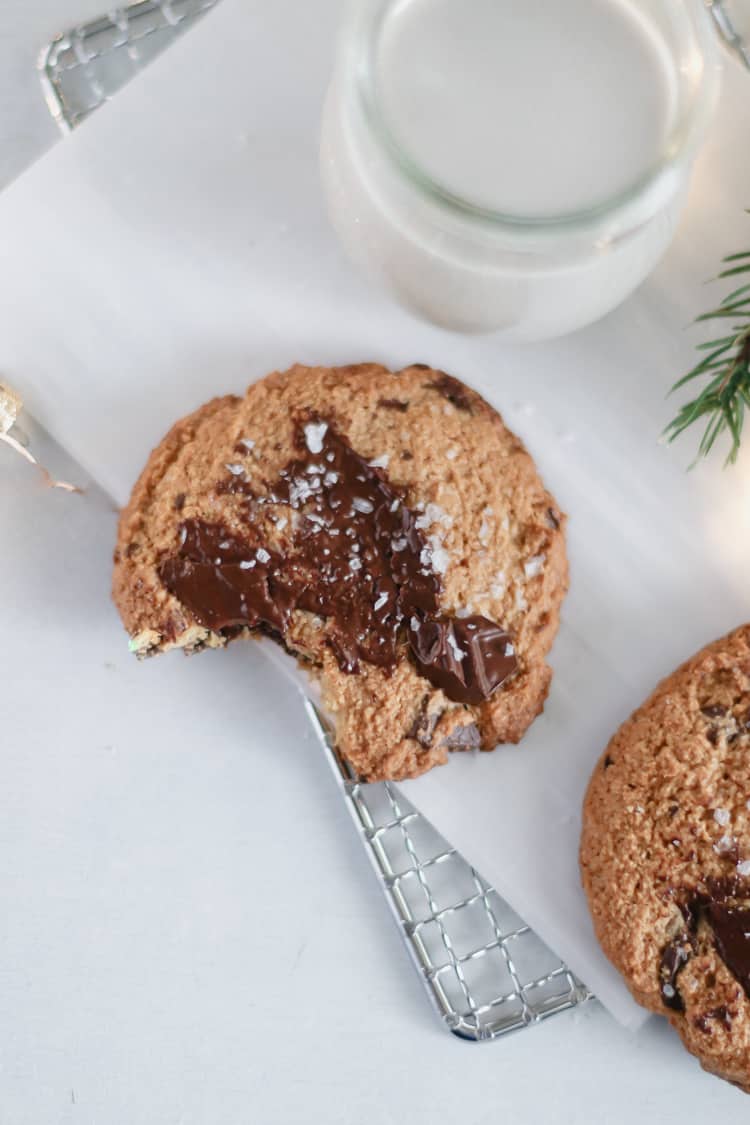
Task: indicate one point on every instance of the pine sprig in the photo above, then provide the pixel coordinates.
(726, 367)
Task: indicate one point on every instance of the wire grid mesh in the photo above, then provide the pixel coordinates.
(486, 971)
(84, 67)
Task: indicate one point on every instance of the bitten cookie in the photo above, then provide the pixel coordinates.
(385, 527)
(665, 854)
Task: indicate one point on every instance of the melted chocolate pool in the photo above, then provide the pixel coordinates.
(358, 559)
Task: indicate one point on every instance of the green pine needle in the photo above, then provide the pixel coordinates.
(726, 368)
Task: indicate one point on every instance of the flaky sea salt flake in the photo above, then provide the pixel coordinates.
(440, 557)
(534, 566)
(314, 434)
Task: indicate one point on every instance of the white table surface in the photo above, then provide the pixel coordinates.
(175, 949)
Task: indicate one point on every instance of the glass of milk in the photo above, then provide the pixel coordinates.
(515, 165)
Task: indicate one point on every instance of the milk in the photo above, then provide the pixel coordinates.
(527, 107)
(514, 164)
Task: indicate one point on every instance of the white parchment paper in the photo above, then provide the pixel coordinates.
(176, 247)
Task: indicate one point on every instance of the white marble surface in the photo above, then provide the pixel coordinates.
(190, 932)
(26, 26)
(160, 960)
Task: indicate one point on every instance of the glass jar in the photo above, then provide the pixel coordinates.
(445, 251)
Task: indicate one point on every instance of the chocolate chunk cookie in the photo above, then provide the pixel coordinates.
(665, 854)
(385, 527)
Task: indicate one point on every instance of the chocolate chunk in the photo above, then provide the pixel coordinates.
(674, 957)
(424, 724)
(453, 390)
(222, 580)
(393, 404)
(715, 1015)
(714, 711)
(731, 927)
(608, 761)
(467, 657)
(357, 559)
(179, 501)
(464, 738)
(728, 918)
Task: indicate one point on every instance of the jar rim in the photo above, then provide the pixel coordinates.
(623, 211)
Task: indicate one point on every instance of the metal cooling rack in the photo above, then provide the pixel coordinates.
(485, 970)
(84, 67)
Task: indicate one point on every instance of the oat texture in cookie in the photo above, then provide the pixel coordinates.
(665, 854)
(346, 513)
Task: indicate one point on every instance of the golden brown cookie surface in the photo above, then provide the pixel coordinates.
(430, 631)
(665, 854)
